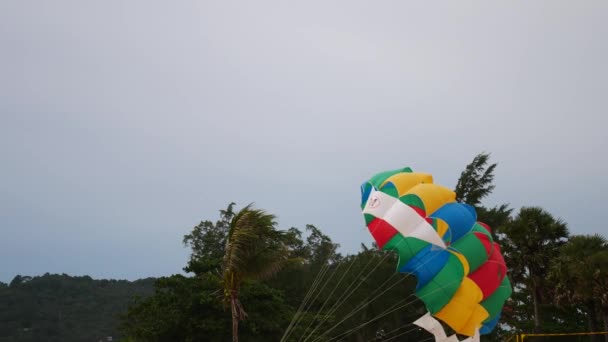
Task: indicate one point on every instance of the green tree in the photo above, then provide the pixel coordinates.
(580, 273)
(55, 307)
(530, 242)
(192, 309)
(321, 247)
(254, 250)
(475, 182)
(207, 242)
(495, 217)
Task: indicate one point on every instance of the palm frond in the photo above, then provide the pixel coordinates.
(250, 244)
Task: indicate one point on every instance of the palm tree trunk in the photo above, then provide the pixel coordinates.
(235, 317)
(535, 297)
(593, 326)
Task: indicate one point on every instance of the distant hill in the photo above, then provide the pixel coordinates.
(62, 308)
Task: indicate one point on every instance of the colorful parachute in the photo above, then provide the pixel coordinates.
(460, 269)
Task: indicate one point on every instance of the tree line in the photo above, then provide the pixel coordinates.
(247, 279)
(63, 308)
(242, 263)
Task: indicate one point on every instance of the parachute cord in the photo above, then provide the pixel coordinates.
(338, 303)
(386, 312)
(328, 297)
(307, 301)
(360, 307)
(332, 311)
(305, 304)
(389, 311)
(311, 290)
(364, 304)
(367, 302)
(325, 283)
(347, 293)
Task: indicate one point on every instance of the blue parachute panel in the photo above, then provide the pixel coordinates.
(460, 218)
(426, 264)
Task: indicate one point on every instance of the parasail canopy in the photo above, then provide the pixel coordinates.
(461, 273)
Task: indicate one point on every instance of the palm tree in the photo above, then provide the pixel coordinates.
(581, 276)
(254, 251)
(530, 242)
(475, 181)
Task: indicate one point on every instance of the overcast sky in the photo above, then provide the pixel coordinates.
(125, 123)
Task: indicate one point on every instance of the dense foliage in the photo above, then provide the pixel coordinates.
(193, 308)
(559, 280)
(62, 308)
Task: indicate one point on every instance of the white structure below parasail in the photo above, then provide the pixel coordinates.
(430, 324)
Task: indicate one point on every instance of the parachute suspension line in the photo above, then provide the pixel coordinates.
(311, 290)
(396, 307)
(348, 292)
(363, 305)
(333, 311)
(329, 296)
(305, 304)
(308, 300)
(338, 303)
(365, 301)
(325, 283)
(386, 312)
